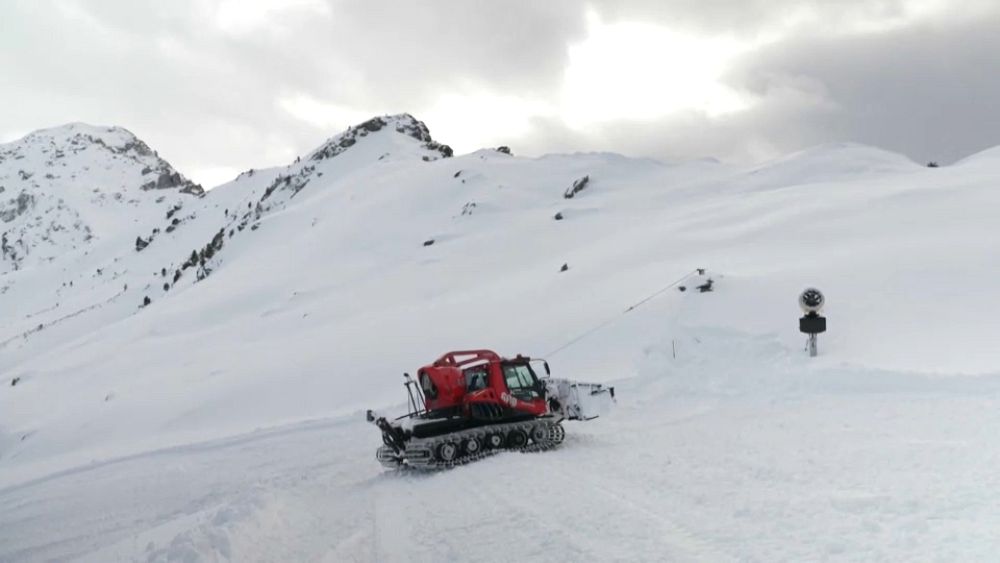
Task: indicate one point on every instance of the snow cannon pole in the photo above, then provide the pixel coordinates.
(811, 302)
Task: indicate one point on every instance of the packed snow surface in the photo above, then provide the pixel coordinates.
(189, 383)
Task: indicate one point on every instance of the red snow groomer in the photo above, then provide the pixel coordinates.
(470, 404)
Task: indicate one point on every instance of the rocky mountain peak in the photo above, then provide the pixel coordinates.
(403, 123)
(47, 148)
(63, 186)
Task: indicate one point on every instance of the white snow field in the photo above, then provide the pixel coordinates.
(224, 421)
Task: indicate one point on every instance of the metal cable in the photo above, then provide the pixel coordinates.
(623, 313)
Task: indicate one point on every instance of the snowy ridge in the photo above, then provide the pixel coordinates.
(378, 140)
(986, 158)
(829, 163)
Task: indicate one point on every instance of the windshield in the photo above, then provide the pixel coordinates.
(521, 381)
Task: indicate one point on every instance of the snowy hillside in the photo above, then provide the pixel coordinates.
(197, 375)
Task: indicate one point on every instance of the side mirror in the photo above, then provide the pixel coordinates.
(547, 370)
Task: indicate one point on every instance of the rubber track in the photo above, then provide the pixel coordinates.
(554, 435)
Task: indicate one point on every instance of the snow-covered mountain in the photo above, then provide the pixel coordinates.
(156, 232)
(228, 342)
(65, 187)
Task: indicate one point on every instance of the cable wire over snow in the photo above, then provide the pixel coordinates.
(623, 313)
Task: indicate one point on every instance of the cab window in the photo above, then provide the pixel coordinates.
(521, 381)
(475, 378)
(428, 387)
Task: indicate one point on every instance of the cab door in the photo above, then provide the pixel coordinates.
(524, 392)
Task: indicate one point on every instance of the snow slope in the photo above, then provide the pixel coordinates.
(821, 464)
(222, 421)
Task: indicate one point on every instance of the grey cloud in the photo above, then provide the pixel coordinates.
(926, 91)
(511, 46)
(748, 18)
(166, 71)
(206, 98)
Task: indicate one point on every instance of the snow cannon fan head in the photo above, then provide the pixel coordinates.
(811, 301)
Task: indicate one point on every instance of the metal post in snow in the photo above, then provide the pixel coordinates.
(811, 301)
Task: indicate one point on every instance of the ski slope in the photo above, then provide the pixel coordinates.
(224, 420)
(824, 463)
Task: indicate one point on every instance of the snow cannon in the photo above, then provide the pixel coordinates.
(811, 302)
(473, 403)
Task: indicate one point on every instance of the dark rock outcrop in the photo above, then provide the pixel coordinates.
(404, 123)
(577, 187)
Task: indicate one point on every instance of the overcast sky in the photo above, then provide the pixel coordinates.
(219, 86)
